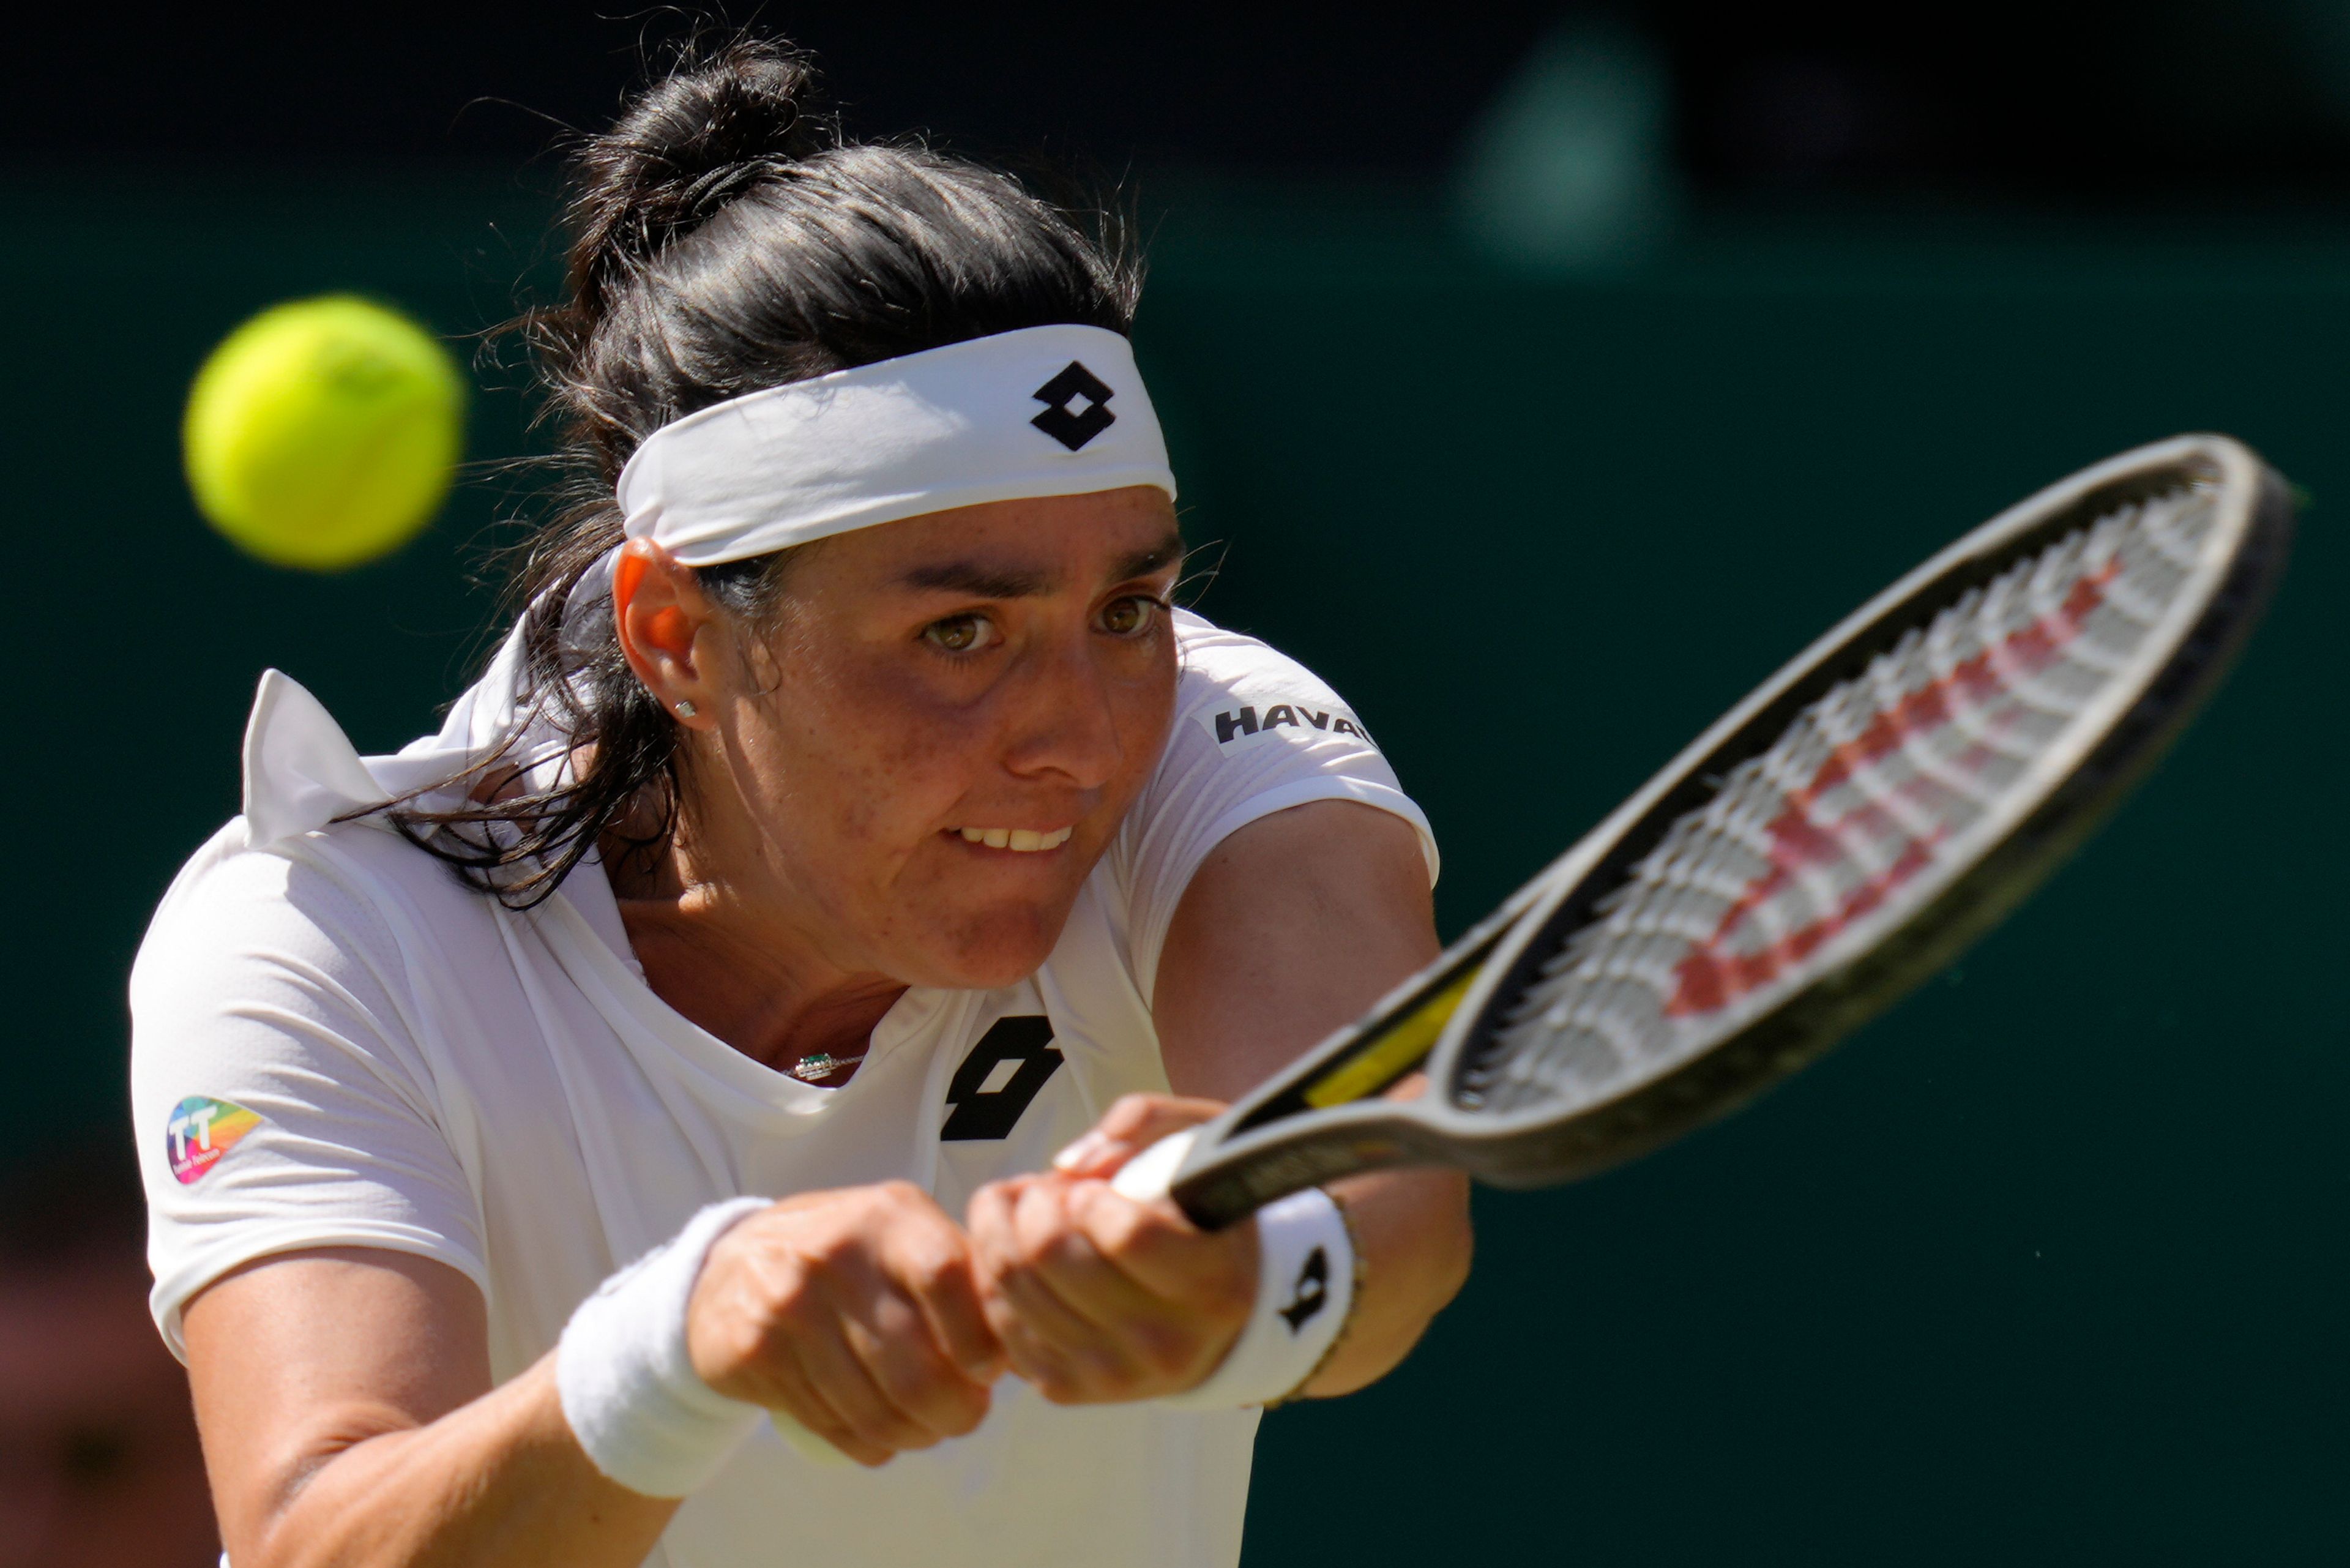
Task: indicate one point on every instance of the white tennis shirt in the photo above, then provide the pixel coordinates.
(336, 1043)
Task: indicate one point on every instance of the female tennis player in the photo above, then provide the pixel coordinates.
(704, 1058)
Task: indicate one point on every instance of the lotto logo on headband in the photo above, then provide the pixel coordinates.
(898, 437)
(200, 1133)
(1074, 430)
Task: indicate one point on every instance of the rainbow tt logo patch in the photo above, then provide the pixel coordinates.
(201, 1131)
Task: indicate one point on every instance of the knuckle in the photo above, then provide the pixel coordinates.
(934, 1271)
(794, 1313)
(1031, 1251)
(830, 1251)
(900, 1193)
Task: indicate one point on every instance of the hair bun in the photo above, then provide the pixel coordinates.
(685, 146)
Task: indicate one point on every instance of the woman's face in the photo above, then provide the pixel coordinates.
(925, 756)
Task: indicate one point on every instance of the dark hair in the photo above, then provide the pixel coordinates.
(724, 240)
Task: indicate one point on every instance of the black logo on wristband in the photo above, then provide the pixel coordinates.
(1311, 1291)
(1011, 1062)
(1065, 425)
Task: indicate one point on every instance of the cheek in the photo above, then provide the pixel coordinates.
(1143, 707)
(855, 770)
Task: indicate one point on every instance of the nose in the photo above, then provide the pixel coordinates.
(1064, 721)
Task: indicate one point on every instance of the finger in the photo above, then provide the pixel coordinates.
(996, 1248)
(1049, 1251)
(1132, 1124)
(939, 1274)
(1050, 1345)
(893, 1341)
(1034, 1358)
(1067, 1238)
(839, 1375)
(1176, 1295)
(988, 1223)
(790, 1390)
(1056, 1349)
(1162, 1253)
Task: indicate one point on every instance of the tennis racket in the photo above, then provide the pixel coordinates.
(1833, 840)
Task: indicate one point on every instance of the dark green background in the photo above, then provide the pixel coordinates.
(2047, 1266)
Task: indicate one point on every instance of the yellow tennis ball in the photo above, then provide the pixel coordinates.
(324, 433)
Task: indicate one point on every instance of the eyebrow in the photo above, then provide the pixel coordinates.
(1149, 558)
(997, 583)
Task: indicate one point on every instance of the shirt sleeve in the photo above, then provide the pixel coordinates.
(1255, 732)
(280, 1099)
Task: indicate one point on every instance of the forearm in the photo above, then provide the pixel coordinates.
(1256, 968)
(499, 1480)
(1411, 1229)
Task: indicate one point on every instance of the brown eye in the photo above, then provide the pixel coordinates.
(1124, 617)
(956, 634)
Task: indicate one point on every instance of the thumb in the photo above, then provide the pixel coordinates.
(1130, 1126)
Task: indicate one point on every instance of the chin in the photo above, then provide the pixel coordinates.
(991, 949)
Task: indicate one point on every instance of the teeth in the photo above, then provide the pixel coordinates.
(1025, 840)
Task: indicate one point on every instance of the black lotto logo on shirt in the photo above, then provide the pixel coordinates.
(1064, 424)
(1006, 1070)
(1311, 1291)
(1240, 723)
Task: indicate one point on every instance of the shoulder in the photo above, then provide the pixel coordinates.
(1235, 688)
(1254, 733)
(283, 1076)
(335, 907)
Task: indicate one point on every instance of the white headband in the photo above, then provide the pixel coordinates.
(1045, 411)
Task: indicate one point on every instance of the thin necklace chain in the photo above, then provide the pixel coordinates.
(823, 1064)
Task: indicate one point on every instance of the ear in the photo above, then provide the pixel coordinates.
(667, 627)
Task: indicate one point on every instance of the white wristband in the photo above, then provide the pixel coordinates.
(627, 1381)
(1304, 1290)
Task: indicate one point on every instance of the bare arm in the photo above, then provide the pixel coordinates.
(1258, 967)
(348, 1418)
(345, 1403)
(1293, 926)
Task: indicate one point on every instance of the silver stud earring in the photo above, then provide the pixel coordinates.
(685, 709)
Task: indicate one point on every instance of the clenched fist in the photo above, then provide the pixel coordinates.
(1095, 1298)
(856, 1313)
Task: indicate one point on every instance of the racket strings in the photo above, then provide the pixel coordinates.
(1847, 812)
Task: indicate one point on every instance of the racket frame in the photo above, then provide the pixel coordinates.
(1287, 1134)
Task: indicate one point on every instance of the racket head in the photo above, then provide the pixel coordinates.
(1753, 992)
(1647, 994)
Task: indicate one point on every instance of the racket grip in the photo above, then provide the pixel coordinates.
(1147, 1178)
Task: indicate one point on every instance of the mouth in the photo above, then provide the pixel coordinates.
(1019, 840)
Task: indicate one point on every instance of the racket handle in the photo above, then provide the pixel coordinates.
(1147, 1178)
